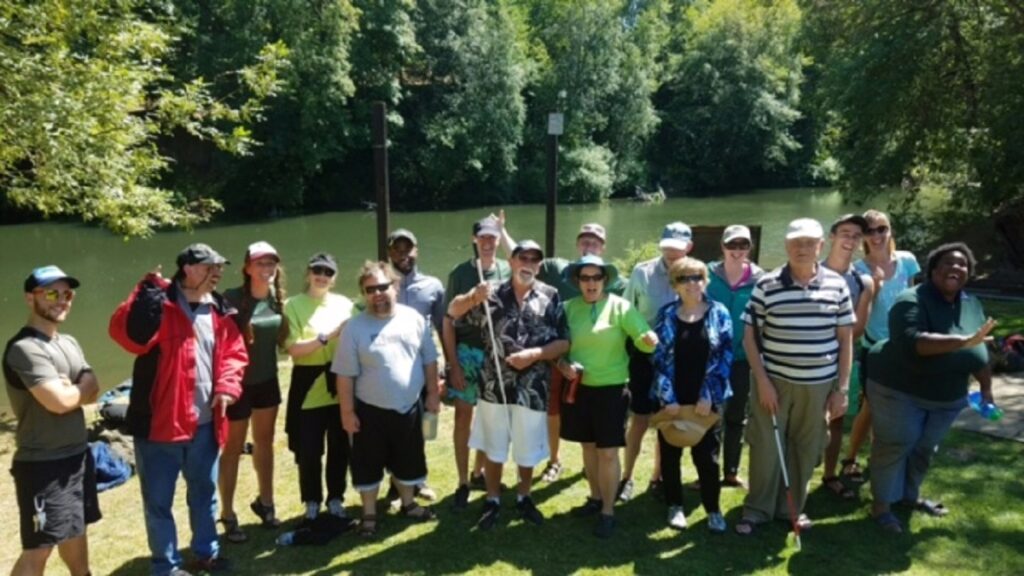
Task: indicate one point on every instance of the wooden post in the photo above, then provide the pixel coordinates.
(380, 172)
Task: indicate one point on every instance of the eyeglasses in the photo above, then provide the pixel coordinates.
(687, 278)
(880, 231)
(376, 288)
(53, 295)
(737, 245)
(591, 277)
(321, 271)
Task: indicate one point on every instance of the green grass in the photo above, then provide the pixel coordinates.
(1009, 313)
(976, 476)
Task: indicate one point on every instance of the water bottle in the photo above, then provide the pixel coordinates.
(988, 410)
(286, 539)
(429, 425)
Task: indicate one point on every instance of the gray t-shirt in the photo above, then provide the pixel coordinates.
(386, 357)
(201, 315)
(32, 358)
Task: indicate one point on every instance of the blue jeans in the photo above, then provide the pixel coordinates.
(158, 465)
(906, 433)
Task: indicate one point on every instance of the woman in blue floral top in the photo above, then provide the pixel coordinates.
(692, 364)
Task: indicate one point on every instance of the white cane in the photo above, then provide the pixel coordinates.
(793, 517)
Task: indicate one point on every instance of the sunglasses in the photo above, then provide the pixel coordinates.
(529, 259)
(321, 271)
(376, 288)
(687, 278)
(738, 245)
(881, 230)
(53, 295)
(591, 277)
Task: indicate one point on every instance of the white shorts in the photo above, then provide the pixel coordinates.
(528, 436)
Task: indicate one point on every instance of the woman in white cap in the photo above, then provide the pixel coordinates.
(315, 319)
(732, 281)
(259, 302)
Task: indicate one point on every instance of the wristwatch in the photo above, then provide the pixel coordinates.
(322, 338)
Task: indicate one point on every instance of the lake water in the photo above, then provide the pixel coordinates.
(109, 266)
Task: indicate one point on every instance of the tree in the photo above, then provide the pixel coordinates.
(85, 94)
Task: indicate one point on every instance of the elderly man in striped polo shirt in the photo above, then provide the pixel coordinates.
(798, 337)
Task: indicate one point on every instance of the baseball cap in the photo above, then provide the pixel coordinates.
(527, 246)
(804, 228)
(850, 219)
(261, 249)
(399, 234)
(736, 232)
(46, 275)
(676, 235)
(593, 229)
(323, 259)
(487, 227)
(199, 253)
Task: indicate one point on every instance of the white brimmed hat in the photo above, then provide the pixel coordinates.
(804, 228)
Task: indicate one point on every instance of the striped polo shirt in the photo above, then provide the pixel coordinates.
(797, 324)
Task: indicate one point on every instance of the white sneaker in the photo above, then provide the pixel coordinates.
(335, 508)
(312, 510)
(676, 517)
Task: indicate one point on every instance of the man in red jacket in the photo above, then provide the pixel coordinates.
(189, 368)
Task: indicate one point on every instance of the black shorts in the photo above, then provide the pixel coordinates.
(64, 490)
(255, 396)
(598, 415)
(387, 440)
(641, 378)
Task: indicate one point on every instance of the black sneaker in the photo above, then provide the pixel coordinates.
(477, 482)
(461, 500)
(489, 517)
(605, 526)
(589, 508)
(625, 491)
(528, 511)
(210, 566)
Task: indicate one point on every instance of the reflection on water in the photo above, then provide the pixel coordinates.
(108, 266)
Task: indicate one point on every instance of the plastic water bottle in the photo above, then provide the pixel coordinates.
(988, 410)
(429, 426)
(286, 539)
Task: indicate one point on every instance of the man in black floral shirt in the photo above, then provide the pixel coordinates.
(529, 329)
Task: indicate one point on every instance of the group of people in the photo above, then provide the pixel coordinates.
(537, 350)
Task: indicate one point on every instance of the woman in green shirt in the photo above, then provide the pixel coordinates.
(918, 379)
(259, 301)
(315, 319)
(594, 410)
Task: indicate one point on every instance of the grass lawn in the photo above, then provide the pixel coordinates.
(976, 476)
(1009, 313)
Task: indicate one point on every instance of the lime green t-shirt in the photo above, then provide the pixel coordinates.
(597, 336)
(307, 317)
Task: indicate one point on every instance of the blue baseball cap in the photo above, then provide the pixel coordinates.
(46, 275)
(676, 235)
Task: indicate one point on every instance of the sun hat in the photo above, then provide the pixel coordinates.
(572, 271)
(685, 428)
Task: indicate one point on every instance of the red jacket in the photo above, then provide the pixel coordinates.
(151, 325)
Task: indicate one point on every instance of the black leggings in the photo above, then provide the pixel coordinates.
(705, 458)
(316, 424)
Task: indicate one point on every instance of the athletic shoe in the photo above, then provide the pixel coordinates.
(625, 491)
(477, 482)
(489, 517)
(589, 508)
(716, 523)
(528, 511)
(210, 565)
(461, 500)
(312, 510)
(605, 526)
(676, 517)
(335, 508)
(552, 472)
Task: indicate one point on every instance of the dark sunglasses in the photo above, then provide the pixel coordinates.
(687, 278)
(738, 245)
(322, 271)
(591, 277)
(881, 230)
(529, 259)
(53, 295)
(376, 288)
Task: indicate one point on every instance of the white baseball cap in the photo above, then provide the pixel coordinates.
(736, 232)
(260, 249)
(593, 229)
(804, 228)
(676, 235)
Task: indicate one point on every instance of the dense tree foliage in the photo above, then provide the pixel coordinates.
(140, 114)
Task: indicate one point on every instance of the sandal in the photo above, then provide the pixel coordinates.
(836, 486)
(852, 471)
(552, 472)
(414, 511)
(889, 522)
(368, 526)
(268, 518)
(232, 531)
(746, 527)
(804, 523)
(931, 508)
(734, 482)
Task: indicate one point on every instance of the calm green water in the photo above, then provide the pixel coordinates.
(109, 266)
